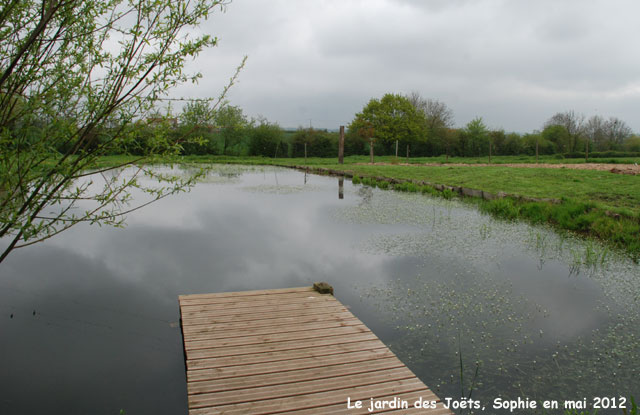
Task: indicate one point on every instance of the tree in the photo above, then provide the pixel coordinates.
(559, 136)
(531, 141)
(632, 144)
(438, 119)
(266, 139)
(197, 113)
(497, 140)
(367, 132)
(513, 144)
(355, 143)
(318, 143)
(477, 136)
(607, 134)
(616, 132)
(436, 113)
(392, 118)
(594, 132)
(75, 76)
(573, 123)
(196, 128)
(231, 123)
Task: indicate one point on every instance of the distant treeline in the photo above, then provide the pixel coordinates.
(410, 125)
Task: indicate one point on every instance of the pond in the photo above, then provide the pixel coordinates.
(473, 305)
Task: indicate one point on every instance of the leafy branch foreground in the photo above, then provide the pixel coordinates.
(77, 77)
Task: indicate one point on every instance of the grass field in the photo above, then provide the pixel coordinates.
(596, 203)
(552, 159)
(390, 159)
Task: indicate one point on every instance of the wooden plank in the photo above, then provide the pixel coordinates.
(241, 330)
(371, 345)
(211, 341)
(196, 374)
(292, 302)
(269, 292)
(235, 316)
(266, 308)
(300, 388)
(287, 351)
(293, 376)
(248, 301)
(315, 400)
(280, 346)
(286, 320)
(211, 323)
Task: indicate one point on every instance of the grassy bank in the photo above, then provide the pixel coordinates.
(549, 159)
(595, 203)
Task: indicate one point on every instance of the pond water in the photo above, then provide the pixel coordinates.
(89, 319)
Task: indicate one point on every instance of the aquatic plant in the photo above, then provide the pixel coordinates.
(475, 375)
(634, 407)
(382, 184)
(485, 231)
(428, 190)
(447, 194)
(620, 226)
(497, 328)
(504, 208)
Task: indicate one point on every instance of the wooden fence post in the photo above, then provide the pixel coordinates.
(371, 150)
(586, 154)
(489, 151)
(341, 146)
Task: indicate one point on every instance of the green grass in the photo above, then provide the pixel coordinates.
(596, 203)
(613, 191)
(554, 159)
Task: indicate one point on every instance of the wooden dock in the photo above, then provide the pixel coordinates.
(292, 351)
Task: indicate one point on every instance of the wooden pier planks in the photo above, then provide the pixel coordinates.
(291, 351)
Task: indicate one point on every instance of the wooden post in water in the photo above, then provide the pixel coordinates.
(341, 146)
(323, 287)
(341, 187)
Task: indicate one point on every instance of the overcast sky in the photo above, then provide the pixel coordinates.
(512, 62)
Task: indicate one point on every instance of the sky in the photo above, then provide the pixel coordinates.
(514, 63)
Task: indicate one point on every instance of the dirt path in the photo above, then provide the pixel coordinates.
(633, 169)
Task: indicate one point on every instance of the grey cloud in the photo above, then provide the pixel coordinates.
(323, 60)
